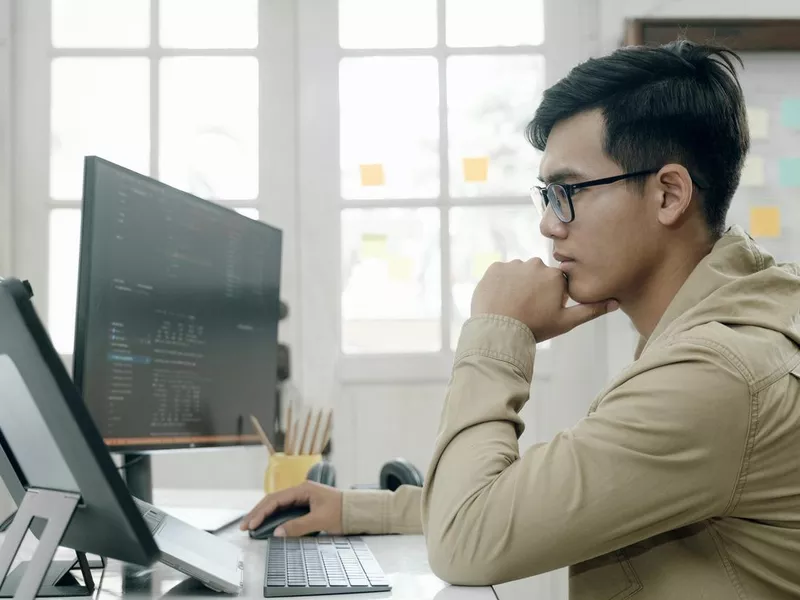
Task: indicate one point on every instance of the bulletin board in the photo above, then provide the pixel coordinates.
(767, 202)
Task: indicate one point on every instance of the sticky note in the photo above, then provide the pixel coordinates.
(790, 113)
(789, 172)
(753, 174)
(481, 262)
(373, 245)
(401, 268)
(758, 120)
(765, 222)
(372, 175)
(476, 169)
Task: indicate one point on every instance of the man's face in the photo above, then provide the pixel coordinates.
(612, 242)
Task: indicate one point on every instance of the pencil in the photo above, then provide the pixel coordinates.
(287, 433)
(262, 434)
(327, 435)
(292, 439)
(305, 432)
(312, 444)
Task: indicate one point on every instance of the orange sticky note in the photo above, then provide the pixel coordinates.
(372, 175)
(765, 221)
(476, 169)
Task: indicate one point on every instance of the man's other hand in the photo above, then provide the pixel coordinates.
(325, 514)
(534, 294)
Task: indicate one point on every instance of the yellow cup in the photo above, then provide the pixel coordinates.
(285, 471)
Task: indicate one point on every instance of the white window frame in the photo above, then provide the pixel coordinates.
(6, 147)
(25, 252)
(567, 41)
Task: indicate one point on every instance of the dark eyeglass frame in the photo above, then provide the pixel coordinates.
(570, 188)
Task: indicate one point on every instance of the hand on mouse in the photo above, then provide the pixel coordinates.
(324, 501)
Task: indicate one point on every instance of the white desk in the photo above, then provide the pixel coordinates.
(403, 559)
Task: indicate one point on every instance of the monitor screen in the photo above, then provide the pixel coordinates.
(177, 318)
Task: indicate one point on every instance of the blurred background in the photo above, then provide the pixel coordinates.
(385, 137)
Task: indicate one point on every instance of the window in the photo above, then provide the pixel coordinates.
(434, 96)
(169, 88)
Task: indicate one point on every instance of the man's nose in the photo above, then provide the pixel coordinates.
(551, 226)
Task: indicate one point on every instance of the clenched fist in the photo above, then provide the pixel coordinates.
(534, 294)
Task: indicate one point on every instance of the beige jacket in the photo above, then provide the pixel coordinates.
(682, 482)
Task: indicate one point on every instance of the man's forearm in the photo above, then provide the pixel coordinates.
(382, 512)
(475, 447)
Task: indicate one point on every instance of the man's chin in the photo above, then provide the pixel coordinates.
(582, 293)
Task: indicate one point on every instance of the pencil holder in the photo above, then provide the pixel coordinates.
(285, 471)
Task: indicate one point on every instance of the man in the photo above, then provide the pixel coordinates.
(683, 480)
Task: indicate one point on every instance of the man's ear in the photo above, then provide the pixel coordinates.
(675, 189)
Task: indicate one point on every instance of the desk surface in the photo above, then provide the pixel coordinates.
(403, 559)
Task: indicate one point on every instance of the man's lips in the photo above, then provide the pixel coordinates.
(562, 258)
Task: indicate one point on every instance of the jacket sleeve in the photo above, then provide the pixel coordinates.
(381, 512)
(662, 450)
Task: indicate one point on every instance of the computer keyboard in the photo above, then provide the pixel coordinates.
(320, 566)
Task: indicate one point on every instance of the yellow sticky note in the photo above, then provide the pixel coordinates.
(482, 261)
(401, 268)
(753, 174)
(765, 221)
(373, 245)
(758, 120)
(372, 175)
(476, 169)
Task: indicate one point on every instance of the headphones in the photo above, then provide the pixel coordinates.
(393, 474)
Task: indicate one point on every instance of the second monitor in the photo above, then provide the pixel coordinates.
(177, 316)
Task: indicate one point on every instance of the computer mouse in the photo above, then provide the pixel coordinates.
(276, 519)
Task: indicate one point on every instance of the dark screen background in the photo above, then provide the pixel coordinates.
(180, 320)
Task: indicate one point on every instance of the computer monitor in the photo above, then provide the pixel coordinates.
(52, 458)
(177, 316)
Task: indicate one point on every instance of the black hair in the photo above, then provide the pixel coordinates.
(681, 103)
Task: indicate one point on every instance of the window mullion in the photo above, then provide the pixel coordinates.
(444, 179)
(155, 83)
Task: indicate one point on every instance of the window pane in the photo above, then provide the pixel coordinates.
(490, 101)
(390, 125)
(480, 236)
(387, 23)
(65, 232)
(251, 213)
(101, 23)
(209, 23)
(209, 126)
(391, 299)
(481, 23)
(100, 106)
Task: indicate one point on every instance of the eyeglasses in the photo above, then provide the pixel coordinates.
(559, 195)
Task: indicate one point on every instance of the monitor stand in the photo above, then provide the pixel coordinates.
(139, 477)
(40, 576)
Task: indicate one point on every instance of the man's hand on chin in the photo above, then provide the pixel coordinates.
(536, 295)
